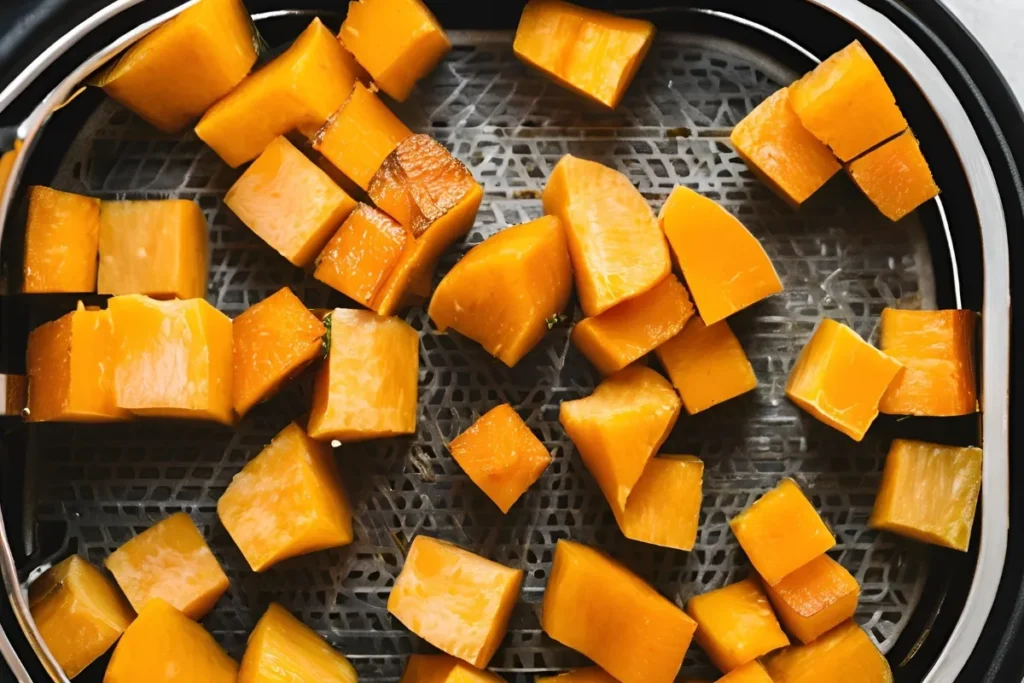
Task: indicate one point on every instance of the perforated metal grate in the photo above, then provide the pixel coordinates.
(837, 257)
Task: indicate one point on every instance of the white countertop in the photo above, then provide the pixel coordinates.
(999, 26)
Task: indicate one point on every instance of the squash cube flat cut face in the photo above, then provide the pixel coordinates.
(61, 241)
(150, 79)
(895, 177)
(157, 248)
(591, 674)
(289, 500)
(172, 358)
(163, 645)
(593, 53)
(503, 292)
(397, 41)
(457, 601)
(815, 598)
(845, 654)
(840, 379)
(444, 669)
(781, 532)
(289, 202)
(664, 506)
(171, 561)
(282, 648)
(79, 613)
(846, 103)
(618, 251)
(752, 672)
(598, 607)
(298, 90)
(929, 492)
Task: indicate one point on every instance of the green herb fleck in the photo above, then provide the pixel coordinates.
(327, 336)
(556, 319)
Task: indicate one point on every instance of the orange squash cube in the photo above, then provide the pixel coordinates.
(13, 394)
(618, 252)
(298, 90)
(593, 53)
(725, 267)
(840, 379)
(664, 506)
(163, 645)
(591, 674)
(815, 598)
(79, 613)
(457, 601)
(846, 103)
(150, 79)
(283, 648)
(171, 561)
(526, 268)
(895, 177)
(929, 492)
(420, 287)
(61, 241)
(845, 654)
(397, 41)
(289, 500)
(781, 532)
(444, 669)
(172, 358)
(7, 163)
(752, 672)
(157, 248)
(595, 605)
(784, 154)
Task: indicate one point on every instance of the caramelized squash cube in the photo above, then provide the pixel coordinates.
(61, 241)
(815, 598)
(444, 669)
(895, 177)
(752, 672)
(845, 654)
(591, 674)
(664, 506)
(282, 648)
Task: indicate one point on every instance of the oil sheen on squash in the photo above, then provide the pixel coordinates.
(444, 669)
(845, 654)
(61, 241)
(895, 177)
(590, 674)
(281, 649)
(815, 598)
(664, 506)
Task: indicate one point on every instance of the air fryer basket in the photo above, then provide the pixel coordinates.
(89, 488)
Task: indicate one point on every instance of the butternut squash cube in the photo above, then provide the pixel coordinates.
(79, 613)
(597, 606)
(815, 598)
(846, 103)
(457, 601)
(707, 365)
(725, 267)
(157, 248)
(929, 492)
(752, 672)
(664, 506)
(171, 561)
(397, 41)
(360, 136)
(151, 78)
(840, 379)
(781, 532)
(526, 268)
(172, 358)
(444, 669)
(845, 654)
(784, 154)
(618, 252)
(895, 177)
(13, 394)
(282, 648)
(289, 500)
(61, 241)
(298, 90)
(593, 53)
(7, 160)
(591, 674)
(163, 645)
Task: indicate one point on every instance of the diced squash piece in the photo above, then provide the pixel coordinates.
(707, 365)
(360, 136)
(79, 613)
(781, 532)
(664, 506)
(157, 248)
(298, 90)
(397, 41)
(151, 78)
(282, 648)
(839, 378)
(725, 267)
(895, 177)
(289, 202)
(593, 53)
(846, 103)
(289, 500)
(503, 292)
(163, 645)
(457, 601)
(929, 492)
(815, 598)
(597, 606)
(843, 655)
(171, 561)
(62, 236)
(776, 146)
(618, 252)
(591, 674)
(172, 358)
(444, 669)
(70, 369)
(501, 455)
(628, 331)
(420, 287)
(7, 163)
(13, 394)
(752, 672)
